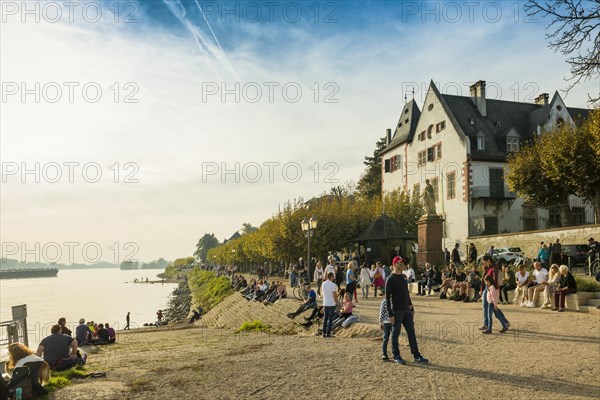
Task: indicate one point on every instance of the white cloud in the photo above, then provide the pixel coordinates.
(170, 132)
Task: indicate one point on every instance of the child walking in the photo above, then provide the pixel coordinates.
(386, 326)
(493, 299)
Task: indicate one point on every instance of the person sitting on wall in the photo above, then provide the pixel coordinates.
(425, 281)
(447, 280)
(460, 285)
(566, 286)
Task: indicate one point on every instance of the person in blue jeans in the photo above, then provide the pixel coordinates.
(386, 326)
(400, 311)
(492, 272)
(493, 300)
(329, 293)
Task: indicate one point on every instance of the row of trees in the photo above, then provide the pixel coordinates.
(342, 216)
(561, 162)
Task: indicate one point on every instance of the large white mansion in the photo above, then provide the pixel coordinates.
(460, 144)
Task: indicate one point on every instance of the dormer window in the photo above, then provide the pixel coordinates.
(472, 121)
(498, 124)
(512, 144)
(480, 143)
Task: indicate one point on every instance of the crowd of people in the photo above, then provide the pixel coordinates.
(260, 290)
(90, 333)
(29, 370)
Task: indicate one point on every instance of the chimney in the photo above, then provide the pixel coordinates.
(478, 96)
(388, 135)
(542, 99)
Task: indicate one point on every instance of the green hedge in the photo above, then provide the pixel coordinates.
(586, 284)
(207, 289)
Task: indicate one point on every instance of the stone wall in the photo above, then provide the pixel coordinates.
(529, 242)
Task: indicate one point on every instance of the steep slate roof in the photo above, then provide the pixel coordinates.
(405, 130)
(384, 228)
(523, 118)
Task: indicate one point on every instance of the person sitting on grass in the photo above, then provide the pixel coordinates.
(447, 280)
(22, 364)
(112, 335)
(553, 281)
(311, 302)
(83, 334)
(101, 336)
(60, 351)
(566, 286)
(63, 326)
(345, 311)
(509, 283)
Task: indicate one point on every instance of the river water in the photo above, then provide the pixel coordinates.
(101, 295)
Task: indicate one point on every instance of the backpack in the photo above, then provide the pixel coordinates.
(24, 378)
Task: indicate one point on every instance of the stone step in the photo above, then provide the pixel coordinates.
(593, 302)
(589, 309)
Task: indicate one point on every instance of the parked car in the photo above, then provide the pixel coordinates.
(577, 254)
(505, 255)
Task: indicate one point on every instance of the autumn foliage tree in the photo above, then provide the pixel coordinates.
(342, 215)
(560, 162)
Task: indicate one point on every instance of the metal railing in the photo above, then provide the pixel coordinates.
(491, 192)
(15, 330)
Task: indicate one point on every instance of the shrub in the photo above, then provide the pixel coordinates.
(587, 284)
(208, 290)
(253, 326)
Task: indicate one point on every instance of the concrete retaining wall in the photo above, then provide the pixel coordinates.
(529, 242)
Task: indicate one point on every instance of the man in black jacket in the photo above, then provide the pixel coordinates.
(401, 311)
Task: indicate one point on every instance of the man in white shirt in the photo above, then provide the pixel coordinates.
(539, 285)
(409, 272)
(329, 293)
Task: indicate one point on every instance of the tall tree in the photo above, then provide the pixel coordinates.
(248, 228)
(573, 31)
(577, 164)
(206, 242)
(369, 184)
(545, 177)
(527, 178)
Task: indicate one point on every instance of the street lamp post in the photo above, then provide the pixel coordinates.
(308, 225)
(233, 252)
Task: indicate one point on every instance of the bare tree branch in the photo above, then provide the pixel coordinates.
(574, 31)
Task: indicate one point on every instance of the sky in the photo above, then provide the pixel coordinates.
(129, 129)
